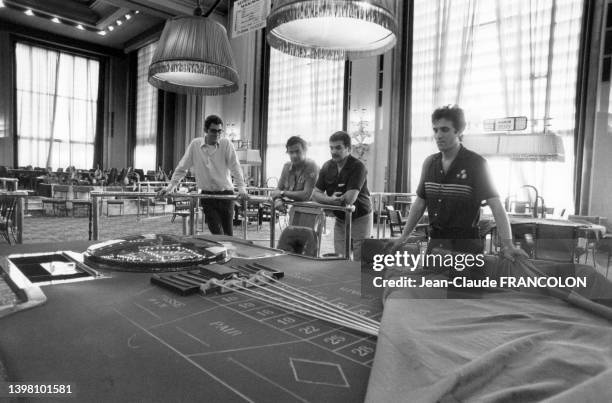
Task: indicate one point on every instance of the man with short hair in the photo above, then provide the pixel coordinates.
(214, 162)
(343, 181)
(454, 183)
(298, 177)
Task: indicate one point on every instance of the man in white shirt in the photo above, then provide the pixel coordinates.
(214, 162)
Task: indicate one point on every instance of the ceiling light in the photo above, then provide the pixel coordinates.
(80, 27)
(55, 20)
(137, 12)
(29, 12)
(194, 56)
(110, 28)
(103, 33)
(128, 16)
(1, 3)
(332, 29)
(119, 22)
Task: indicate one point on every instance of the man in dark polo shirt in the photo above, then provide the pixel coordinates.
(298, 177)
(454, 184)
(343, 181)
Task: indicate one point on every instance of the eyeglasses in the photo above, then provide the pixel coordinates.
(215, 131)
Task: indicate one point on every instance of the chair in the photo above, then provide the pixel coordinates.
(299, 240)
(82, 199)
(525, 200)
(605, 245)
(181, 206)
(60, 195)
(396, 221)
(114, 202)
(7, 218)
(588, 240)
(181, 209)
(254, 212)
(309, 218)
(152, 202)
(556, 242)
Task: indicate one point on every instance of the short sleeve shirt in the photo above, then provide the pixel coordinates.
(353, 176)
(454, 199)
(294, 178)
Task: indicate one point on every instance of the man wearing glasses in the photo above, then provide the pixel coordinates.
(298, 176)
(214, 162)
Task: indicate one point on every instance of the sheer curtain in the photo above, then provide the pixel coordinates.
(497, 59)
(305, 99)
(146, 113)
(57, 98)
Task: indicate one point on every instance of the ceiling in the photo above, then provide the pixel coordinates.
(120, 20)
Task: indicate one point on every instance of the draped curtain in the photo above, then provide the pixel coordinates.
(306, 100)
(57, 97)
(497, 59)
(146, 112)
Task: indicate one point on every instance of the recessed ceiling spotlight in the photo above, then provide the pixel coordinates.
(1, 3)
(110, 27)
(29, 12)
(102, 33)
(80, 27)
(119, 22)
(128, 16)
(56, 20)
(137, 12)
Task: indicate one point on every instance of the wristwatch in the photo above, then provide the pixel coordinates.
(282, 193)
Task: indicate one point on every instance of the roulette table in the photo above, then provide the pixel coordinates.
(119, 337)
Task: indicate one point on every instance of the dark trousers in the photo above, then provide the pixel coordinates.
(219, 213)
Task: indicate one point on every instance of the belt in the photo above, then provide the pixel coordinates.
(217, 192)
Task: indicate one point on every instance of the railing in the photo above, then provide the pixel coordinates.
(94, 217)
(379, 205)
(155, 184)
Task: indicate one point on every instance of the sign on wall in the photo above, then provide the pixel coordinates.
(505, 124)
(249, 15)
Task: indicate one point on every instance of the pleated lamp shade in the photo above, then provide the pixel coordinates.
(332, 29)
(194, 56)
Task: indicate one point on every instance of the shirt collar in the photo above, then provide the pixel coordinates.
(204, 145)
(292, 166)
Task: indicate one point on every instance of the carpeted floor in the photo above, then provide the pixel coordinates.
(39, 229)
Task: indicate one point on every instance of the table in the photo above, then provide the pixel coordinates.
(123, 339)
(487, 221)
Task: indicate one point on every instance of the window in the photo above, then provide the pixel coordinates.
(305, 99)
(146, 113)
(57, 101)
(497, 59)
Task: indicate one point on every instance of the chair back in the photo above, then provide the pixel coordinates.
(8, 204)
(299, 240)
(82, 192)
(395, 217)
(61, 192)
(309, 217)
(556, 242)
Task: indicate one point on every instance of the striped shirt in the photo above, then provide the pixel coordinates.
(454, 199)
